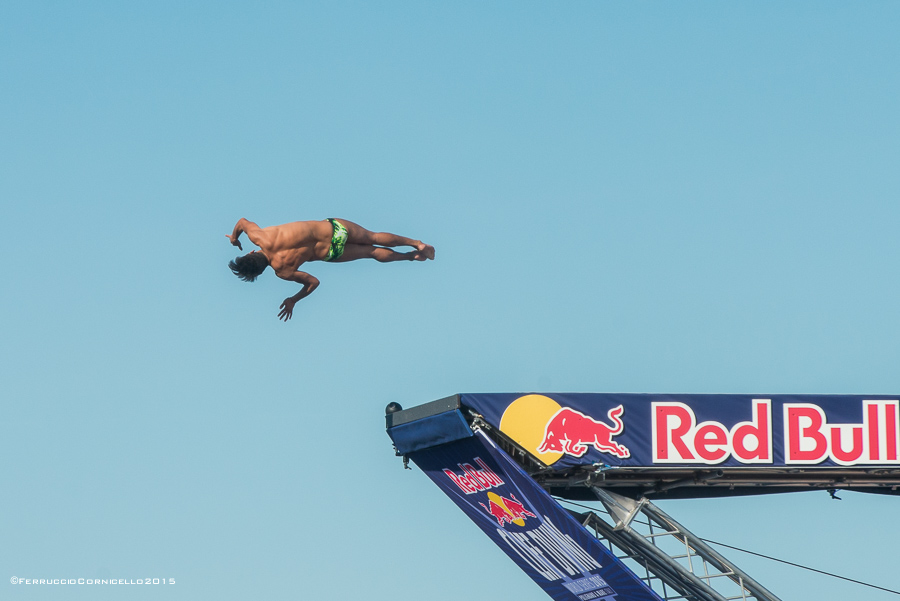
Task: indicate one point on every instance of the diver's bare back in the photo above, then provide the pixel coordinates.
(290, 245)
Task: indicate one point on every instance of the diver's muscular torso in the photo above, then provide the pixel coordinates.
(290, 245)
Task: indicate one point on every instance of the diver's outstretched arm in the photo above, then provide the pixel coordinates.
(243, 226)
(309, 282)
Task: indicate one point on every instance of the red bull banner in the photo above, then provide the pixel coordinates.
(556, 551)
(682, 430)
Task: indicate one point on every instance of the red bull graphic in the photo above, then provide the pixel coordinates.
(728, 431)
(473, 480)
(543, 539)
(678, 438)
(811, 439)
(506, 510)
(808, 437)
(571, 432)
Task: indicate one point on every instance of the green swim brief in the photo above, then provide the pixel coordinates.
(338, 240)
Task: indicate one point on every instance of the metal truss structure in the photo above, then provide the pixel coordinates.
(674, 562)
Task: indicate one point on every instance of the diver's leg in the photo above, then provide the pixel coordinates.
(352, 252)
(356, 234)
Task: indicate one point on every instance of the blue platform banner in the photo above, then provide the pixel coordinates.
(556, 551)
(684, 430)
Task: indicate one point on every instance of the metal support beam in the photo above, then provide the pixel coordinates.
(656, 561)
(692, 481)
(678, 564)
(709, 554)
(622, 509)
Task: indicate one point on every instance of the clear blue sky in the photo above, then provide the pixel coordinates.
(624, 197)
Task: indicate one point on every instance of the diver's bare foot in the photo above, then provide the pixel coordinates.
(425, 250)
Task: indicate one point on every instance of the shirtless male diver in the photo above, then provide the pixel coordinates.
(286, 247)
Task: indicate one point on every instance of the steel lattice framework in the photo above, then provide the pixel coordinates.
(670, 559)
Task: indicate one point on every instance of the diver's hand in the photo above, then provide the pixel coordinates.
(287, 309)
(234, 241)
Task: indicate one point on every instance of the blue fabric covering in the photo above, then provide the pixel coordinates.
(430, 431)
(544, 540)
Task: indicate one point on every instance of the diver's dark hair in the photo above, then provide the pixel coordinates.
(249, 266)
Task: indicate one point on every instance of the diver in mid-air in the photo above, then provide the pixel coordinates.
(286, 247)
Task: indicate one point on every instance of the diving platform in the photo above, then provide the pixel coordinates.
(512, 461)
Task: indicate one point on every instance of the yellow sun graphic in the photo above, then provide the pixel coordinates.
(524, 421)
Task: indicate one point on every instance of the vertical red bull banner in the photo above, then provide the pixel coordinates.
(545, 541)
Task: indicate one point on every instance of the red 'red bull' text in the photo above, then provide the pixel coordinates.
(808, 437)
(473, 480)
(678, 438)
(811, 439)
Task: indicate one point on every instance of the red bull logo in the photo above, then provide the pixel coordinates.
(811, 439)
(709, 431)
(678, 438)
(572, 432)
(506, 510)
(474, 480)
